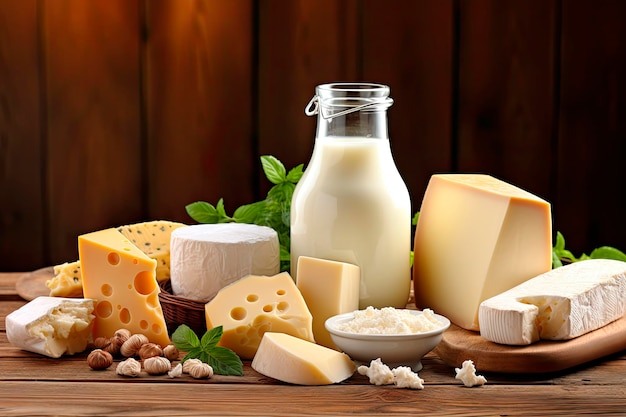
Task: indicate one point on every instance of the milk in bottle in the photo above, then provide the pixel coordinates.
(351, 204)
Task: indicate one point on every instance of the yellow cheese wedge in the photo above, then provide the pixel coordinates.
(329, 288)
(296, 361)
(257, 304)
(67, 280)
(476, 237)
(121, 278)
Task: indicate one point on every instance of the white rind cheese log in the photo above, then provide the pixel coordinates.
(561, 304)
(296, 361)
(205, 258)
(52, 326)
(476, 237)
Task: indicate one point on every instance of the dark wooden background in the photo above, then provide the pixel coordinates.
(117, 111)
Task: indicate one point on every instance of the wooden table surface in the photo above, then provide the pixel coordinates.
(32, 384)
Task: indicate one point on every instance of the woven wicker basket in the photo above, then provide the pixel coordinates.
(180, 310)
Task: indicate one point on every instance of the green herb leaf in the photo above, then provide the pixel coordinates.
(223, 360)
(294, 174)
(202, 212)
(184, 338)
(249, 213)
(607, 252)
(274, 169)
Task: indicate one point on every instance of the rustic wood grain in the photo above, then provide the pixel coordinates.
(198, 99)
(300, 44)
(22, 204)
(93, 147)
(592, 126)
(506, 83)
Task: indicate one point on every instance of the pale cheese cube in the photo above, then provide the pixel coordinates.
(329, 288)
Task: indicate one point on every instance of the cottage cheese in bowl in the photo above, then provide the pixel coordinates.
(399, 337)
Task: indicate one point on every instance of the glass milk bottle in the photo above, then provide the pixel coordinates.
(351, 204)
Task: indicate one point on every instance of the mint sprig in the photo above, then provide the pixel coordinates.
(274, 211)
(223, 360)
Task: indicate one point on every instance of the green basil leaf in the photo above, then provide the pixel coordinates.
(608, 252)
(415, 219)
(274, 169)
(202, 212)
(211, 338)
(184, 338)
(248, 213)
(224, 361)
(295, 174)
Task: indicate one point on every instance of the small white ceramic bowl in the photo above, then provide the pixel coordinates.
(393, 349)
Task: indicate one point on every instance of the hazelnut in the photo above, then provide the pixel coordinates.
(189, 363)
(171, 352)
(149, 350)
(128, 367)
(157, 365)
(201, 370)
(131, 346)
(99, 359)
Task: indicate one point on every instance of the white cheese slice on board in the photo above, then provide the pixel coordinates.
(560, 304)
(52, 326)
(297, 361)
(204, 258)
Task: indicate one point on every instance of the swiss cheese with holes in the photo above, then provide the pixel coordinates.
(257, 304)
(122, 280)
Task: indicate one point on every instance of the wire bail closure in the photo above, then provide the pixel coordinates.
(313, 107)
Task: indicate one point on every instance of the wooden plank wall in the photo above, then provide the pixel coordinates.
(118, 111)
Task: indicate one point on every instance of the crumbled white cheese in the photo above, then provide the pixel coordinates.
(176, 371)
(380, 374)
(404, 377)
(467, 375)
(377, 372)
(389, 320)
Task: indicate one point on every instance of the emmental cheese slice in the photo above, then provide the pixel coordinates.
(329, 288)
(52, 326)
(476, 237)
(561, 304)
(257, 304)
(121, 278)
(296, 361)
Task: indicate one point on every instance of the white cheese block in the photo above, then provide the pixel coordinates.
(476, 237)
(297, 361)
(205, 258)
(52, 326)
(561, 304)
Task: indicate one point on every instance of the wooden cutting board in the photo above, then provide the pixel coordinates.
(458, 345)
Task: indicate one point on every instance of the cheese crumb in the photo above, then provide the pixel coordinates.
(381, 374)
(389, 320)
(176, 371)
(467, 375)
(377, 372)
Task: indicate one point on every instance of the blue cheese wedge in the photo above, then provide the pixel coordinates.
(52, 326)
(561, 304)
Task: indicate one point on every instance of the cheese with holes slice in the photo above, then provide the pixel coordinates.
(476, 237)
(205, 258)
(296, 361)
(121, 278)
(52, 326)
(561, 304)
(329, 288)
(257, 304)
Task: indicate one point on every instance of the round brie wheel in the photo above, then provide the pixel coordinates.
(205, 258)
